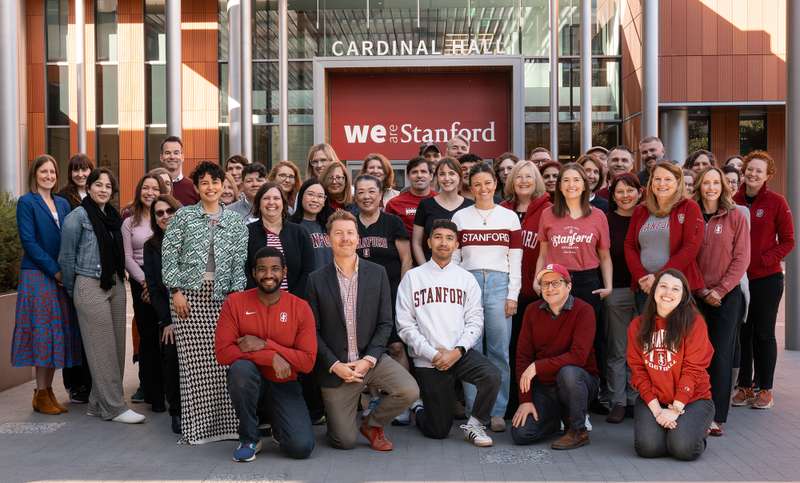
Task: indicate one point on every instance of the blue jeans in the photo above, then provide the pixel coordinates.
(496, 335)
(291, 424)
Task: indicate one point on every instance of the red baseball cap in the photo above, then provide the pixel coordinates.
(554, 268)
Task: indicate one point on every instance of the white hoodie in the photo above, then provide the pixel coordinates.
(438, 308)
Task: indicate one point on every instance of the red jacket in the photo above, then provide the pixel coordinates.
(552, 343)
(725, 253)
(771, 231)
(659, 373)
(288, 327)
(530, 240)
(685, 238)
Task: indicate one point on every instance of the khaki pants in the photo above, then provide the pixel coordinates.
(341, 403)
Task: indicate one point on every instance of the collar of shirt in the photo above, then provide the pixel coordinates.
(340, 272)
(435, 266)
(177, 178)
(567, 305)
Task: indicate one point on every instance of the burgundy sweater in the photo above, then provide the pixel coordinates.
(530, 240)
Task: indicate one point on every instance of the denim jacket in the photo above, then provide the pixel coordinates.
(184, 251)
(79, 253)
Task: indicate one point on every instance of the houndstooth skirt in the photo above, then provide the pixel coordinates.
(206, 411)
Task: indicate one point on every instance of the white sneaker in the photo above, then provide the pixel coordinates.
(130, 417)
(476, 434)
(588, 424)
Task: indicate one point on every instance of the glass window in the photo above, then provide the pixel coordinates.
(305, 29)
(57, 95)
(224, 143)
(57, 15)
(605, 134)
(222, 30)
(108, 149)
(58, 147)
(223, 92)
(106, 94)
(752, 131)
(265, 29)
(266, 143)
(537, 91)
(156, 107)
(153, 137)
(538, 134)
(699, 130)
(265, 93)
(535, 27)
(266, 101)
(155, 31)
(106, 30)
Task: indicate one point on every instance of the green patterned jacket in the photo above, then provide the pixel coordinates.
(184, 251)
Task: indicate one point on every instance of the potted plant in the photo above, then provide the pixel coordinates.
(10, 258)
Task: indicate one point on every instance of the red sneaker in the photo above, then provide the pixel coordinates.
(377, 439)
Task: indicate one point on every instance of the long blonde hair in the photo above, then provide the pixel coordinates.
(725, 198)
(680, 192)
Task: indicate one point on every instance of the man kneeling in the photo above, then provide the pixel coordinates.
(556, 348)
(440, 317)
(268, 337)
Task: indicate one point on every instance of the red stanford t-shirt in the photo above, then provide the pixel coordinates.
(574, 243)
(405, 206)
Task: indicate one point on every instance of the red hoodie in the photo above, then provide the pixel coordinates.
(659, 373)
(288, 327)
(685, 238)
(530, 240)
(771, 231)
(725, 253)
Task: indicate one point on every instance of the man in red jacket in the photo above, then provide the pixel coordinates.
(556, 366)
(267, 337)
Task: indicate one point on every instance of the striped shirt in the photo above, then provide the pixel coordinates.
(274, 241)
(348, 289)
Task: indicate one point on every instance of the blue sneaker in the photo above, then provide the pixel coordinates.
(246, 452)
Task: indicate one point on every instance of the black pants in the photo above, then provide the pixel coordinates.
(758, 345)
(77, 377)
(722, 322)
(149, 347)
(437, 390)
(516, 326)
(686, 442)
(570, 396)
(312, 395)
(170, 376)
(583, 284)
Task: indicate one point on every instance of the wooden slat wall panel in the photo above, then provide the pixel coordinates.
(91, 83)
(35, 55)
(632, 70)
(776, 145)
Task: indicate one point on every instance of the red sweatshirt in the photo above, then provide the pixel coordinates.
(685, 238)
(552, 343)
(405, 206)
(288, 327)
(725, 252)
(659, 373)
(771, 231)
(530, 240)
(185, 192)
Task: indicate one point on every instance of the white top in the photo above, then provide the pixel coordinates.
(490, 240)
(438, 307)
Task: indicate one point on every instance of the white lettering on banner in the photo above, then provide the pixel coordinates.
(467, 237)
(410, 133)
(571, 239)
(455, 44)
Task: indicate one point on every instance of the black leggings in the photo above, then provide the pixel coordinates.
(758, 345)
(149, 347)
(583, 284)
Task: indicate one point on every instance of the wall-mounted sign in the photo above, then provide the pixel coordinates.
(393, 113)
(454, 44)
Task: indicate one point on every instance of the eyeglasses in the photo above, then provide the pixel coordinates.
(318, 196)
(554, 284)
(284, 176)
(168, 211)
(338, 179)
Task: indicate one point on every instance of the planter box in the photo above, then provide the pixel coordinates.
(10, 376)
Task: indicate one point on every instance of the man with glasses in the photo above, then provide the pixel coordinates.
(171, 158)
(556, 366)
(253, 177)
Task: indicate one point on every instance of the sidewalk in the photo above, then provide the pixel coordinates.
(757, 446)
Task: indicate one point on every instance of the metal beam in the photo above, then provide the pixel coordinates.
(650, 69)
(174, 67)
(247, 78)
(10, 147)
(283, 72)
(792, 323)
(80, 70)
(234, 77)
(675, 131)
(554, 79)
(586, 75)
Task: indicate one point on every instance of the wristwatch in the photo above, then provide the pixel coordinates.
(461, 350)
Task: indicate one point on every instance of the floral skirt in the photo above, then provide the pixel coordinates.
(46, 332)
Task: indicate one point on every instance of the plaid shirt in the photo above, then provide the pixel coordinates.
(348, 290)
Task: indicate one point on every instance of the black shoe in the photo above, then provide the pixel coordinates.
(598, 408)
(629, 411)
(176, 424)
(617, 414)
(138, 396)
(79, 395)
(158, 408)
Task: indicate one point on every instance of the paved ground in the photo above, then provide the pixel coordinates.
(758, 445)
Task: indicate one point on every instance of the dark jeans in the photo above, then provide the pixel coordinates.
(570, 395)
(76, 377)
(437, 389)
(641, 300)
(150, 371)
(722, 323)
(758, 345)
(291, 424)
(686, 442)
(583, 283)
(312, 395)
(516, 326)
(170, 376)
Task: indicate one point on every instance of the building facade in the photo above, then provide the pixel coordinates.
(386, 75)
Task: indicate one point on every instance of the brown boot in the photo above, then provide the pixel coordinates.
(43, 404)
(57, 404)
(572, 439)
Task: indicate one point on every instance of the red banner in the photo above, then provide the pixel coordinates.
(393, 113)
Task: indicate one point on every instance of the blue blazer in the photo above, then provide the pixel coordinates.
(39, 233)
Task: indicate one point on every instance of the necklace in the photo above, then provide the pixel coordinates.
(488, 214)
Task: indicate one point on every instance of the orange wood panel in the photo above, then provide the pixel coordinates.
(36, 134)
(724, 28)
(678, 78)
(739, 15)
(781, 75)
(665, 19)
(679, 28)
(711, 77)
(725, 77)
(694, 78)
(740, 77)
(35, 73)
(755, 77)
(710, 21)
(776, 145)
(664, 74)
(694, 27)
(757, 42)
(769, 77)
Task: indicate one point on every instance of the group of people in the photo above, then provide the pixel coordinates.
(527, 290)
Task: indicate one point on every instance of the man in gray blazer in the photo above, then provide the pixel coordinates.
(352, 305)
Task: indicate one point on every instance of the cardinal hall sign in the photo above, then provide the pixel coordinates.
(454, 44)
